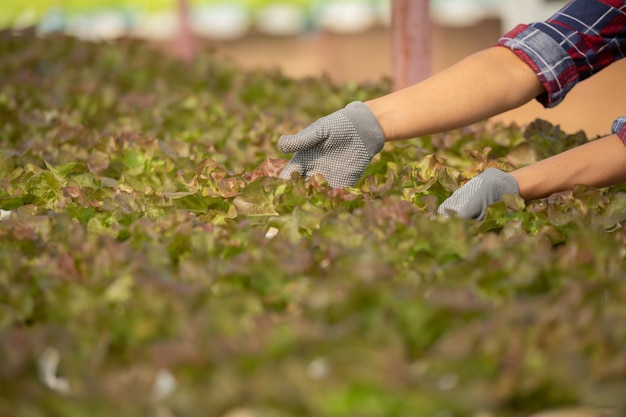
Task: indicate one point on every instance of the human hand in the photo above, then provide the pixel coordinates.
(338, 146)
(471, 200)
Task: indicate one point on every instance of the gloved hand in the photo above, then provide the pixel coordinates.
(471, 200)
(338, 146)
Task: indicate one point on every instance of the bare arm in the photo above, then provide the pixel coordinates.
(599, 163)
(480, 86)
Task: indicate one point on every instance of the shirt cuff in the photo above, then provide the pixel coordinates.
(619, 128)
(554, 67)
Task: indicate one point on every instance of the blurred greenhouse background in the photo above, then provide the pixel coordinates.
(346, 40)
(226, 20)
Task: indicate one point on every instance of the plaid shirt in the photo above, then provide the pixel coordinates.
(581, 39)
(619, 128)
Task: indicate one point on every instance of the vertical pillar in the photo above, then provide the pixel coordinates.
(184, 46)
(411, 37)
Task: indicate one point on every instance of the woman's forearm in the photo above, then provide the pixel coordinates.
(599, 163)
(482, 85)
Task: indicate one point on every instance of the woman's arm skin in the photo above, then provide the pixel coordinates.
(599, 163)
(488, 83)
(482, 85)
(485, 84)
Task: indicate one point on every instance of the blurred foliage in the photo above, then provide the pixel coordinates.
(12, 12)
(151, 263)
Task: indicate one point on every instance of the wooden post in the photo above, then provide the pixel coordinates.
(184, 45)
(411, 37)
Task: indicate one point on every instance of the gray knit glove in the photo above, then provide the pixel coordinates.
(338, 146)
(471, 200)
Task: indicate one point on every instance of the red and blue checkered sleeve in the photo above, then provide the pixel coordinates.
(581, 39)
(619, 128)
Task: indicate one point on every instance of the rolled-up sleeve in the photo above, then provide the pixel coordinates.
(619, 128)
(581, 39)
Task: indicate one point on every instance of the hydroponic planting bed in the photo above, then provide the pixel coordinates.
(151, 263)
